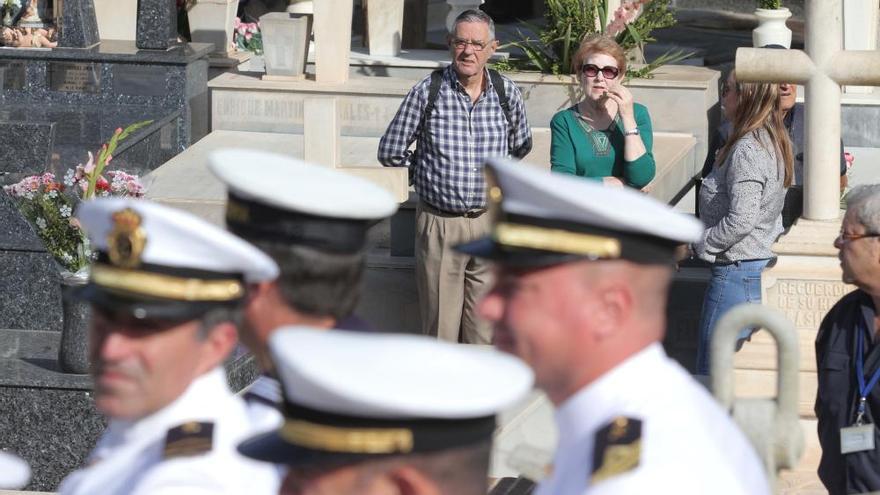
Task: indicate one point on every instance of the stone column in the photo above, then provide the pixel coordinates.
(821, 194)
(456, 7)
(321, 132)
(385, 26)
(860, 19)
(332, 27)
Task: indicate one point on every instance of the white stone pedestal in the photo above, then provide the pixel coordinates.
(385, 26)
(211, 21)
(860, 31)
(456, 7)
(116, 20)
(321, 132)
(285, 43)
(332, 28)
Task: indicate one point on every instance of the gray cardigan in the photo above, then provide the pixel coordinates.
(741, 203)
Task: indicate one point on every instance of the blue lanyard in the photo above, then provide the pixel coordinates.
(860, 372)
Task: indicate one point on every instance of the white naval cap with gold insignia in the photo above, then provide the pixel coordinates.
(349, 395)
(542, 218)
(278, 198)
(14, 472)
(154, 261)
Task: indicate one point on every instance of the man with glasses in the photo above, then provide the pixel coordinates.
(457, 118)
(848, 356)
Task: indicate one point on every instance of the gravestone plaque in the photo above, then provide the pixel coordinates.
(12, 75)
(156, 24)
(78, 24)
(74, 77)
(27, 149)
(139, 80)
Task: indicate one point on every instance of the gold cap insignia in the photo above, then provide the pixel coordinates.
(127, 239)
(494, 196)
(237, 212)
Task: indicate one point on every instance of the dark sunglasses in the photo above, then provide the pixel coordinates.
(608, 72)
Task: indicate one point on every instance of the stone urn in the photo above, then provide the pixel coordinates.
(385, 27)
(285, 43)
(73, 352)
(211, 21)
(771, 28)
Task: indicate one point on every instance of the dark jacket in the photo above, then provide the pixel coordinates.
(838, 395)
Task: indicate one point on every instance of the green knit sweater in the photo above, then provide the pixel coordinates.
(572, 152)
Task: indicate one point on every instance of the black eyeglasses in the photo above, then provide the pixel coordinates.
(844, 237)
(462, 44)
(608, 72)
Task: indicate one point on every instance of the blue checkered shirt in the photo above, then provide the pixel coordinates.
(448, 162)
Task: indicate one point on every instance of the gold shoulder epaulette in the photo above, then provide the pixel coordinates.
(189, 439)
(617, 448)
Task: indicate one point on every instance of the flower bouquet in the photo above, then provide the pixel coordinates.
(48, 204)
(246, 37)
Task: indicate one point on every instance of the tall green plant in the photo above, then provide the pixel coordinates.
(769, 4)
(567, 22)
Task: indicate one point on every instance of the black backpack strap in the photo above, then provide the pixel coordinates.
(498, 84)
(433, 93)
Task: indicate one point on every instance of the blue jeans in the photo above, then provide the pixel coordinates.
(730, 285)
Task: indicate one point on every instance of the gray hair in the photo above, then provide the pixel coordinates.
(217, 316)
(315, 282)
(475, 15)
(864, 200)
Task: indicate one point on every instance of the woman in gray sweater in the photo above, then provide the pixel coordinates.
(741, 203)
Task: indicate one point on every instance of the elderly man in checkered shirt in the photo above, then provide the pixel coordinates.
(465, 124)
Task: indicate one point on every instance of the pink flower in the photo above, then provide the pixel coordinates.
(47, 178)
(89, 167)
(236, 23)
(849, 159)
(248, 36)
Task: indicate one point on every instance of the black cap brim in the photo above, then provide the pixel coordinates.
(140, 307)
(271, 447)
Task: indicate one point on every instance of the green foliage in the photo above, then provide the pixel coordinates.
(570, 21)
(769, 4)
(49, 211)
(106, 152)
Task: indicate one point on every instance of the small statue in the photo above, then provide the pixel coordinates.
(28, 37)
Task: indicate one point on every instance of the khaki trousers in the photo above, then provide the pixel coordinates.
(449, 283)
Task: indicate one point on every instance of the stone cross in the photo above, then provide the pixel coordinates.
(823, 68)
(322, 145)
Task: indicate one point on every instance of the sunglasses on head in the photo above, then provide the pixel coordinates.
(608, 72)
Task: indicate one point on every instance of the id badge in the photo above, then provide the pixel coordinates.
(856, 438)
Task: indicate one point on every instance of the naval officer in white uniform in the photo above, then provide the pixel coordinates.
(583, 273)
(165, 291)
(313, 221)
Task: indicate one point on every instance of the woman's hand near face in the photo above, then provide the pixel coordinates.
(624, 99)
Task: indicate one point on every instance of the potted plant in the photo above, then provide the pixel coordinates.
(771, 28)
(48, 204)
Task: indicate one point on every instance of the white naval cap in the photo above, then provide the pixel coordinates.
(409, 393)
(164, 261)
(14, 472)
(542, 218)
(276, 197)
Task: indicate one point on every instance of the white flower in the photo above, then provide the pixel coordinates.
(52, 194)
(67, 257)
(41, 223)
(69, 177)
(66, 211)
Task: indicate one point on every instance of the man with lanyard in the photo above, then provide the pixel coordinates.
(848, 356)
(459, 117)
(313, 221)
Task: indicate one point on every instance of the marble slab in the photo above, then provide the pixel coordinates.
(156, 25)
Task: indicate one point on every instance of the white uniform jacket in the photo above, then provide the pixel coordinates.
(132, 456)
(264, 400)
(686, 443)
